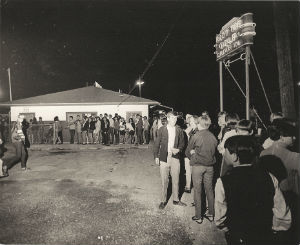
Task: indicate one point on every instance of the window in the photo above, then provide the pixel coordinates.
(81, 114)
(132, 114)
(28, 116)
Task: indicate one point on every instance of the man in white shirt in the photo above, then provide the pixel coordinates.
(167, 149)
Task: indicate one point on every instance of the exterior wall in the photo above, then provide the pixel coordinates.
(49, 112)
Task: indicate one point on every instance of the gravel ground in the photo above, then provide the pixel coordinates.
(94, 195)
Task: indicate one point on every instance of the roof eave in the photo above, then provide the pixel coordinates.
(86, 103)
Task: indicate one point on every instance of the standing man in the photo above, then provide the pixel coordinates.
(78, 126)
(139, 129)
(41, 131)
(201, 152)
(167, 149)
(111, 129)
(146, 130)
(71, 126)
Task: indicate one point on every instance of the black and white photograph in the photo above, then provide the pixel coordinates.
(149, 122)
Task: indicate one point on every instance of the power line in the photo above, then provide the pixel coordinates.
(157, 51)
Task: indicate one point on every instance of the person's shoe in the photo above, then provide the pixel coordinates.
(209, 217)
(162, 205)
(193, 204)
(187, 190)
(179, 203)
(24, 168)
(198, 220)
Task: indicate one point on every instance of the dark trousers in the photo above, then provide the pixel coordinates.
(147, 136)
(72, 134)
(111, 134)
(105, 137)
(139, 134)
(21, 154)
(203, 174)
(117, 138)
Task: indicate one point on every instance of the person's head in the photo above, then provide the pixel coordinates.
(131, 120)
(137, 116)
(145, 118)
(231, 120)
(240, 149)
(187, 118)
(283, 130)
(56, 119)
(193, 121)
(203, 122)
(100, 116)
(78, 117)
(244, 127)
(221, 118)
(205, 113)
(20, 118)
(40, 119)
(71, 117)
(275, 115)
(172, 118)
(97, 118)
(110, 116)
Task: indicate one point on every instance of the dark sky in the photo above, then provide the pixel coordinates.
(55, 45)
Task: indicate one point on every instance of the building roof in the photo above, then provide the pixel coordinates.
(82, 96)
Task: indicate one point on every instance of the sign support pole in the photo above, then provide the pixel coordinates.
(247, 63)
(221, 85)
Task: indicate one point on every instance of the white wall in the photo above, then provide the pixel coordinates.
(49, 112)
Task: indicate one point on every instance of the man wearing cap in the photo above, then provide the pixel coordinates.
(167, 149)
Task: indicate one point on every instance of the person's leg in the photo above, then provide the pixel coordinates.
(208, 185)
(164, 174)
(60, 134)
(197, 175)
(175, 171)
(84, 137)
(70, 136)
(73, 135)
(188, 174)
(24, 156)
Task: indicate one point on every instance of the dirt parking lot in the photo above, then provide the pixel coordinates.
(94, 195)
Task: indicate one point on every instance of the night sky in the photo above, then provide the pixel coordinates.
(52, 46)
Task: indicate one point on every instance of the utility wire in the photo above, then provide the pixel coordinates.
(157, 52)
(261, 83)
(244, 94)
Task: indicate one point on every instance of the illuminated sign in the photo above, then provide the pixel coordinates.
(232, 38)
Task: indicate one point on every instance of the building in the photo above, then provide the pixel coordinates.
(82, 101)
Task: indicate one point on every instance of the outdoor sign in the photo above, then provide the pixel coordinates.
(236, 34)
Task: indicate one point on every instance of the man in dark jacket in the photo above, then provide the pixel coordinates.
(167, 149)
(201, 152)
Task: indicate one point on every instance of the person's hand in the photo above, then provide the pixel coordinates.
(175, 151)
(157, 161)
(1, 141)
(192, 152)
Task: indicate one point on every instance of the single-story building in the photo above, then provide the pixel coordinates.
(87, 100)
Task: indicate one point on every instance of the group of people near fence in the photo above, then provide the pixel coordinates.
(106, 129)
(251, 186)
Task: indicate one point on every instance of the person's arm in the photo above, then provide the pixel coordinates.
(190, 147)
(181, 141)
(220, 206)
(157, 143)
(281, 213)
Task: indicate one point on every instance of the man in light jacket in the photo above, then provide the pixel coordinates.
(167, 149)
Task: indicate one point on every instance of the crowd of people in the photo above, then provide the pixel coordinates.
(104, 129)
(246, 183)
(251, 181)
